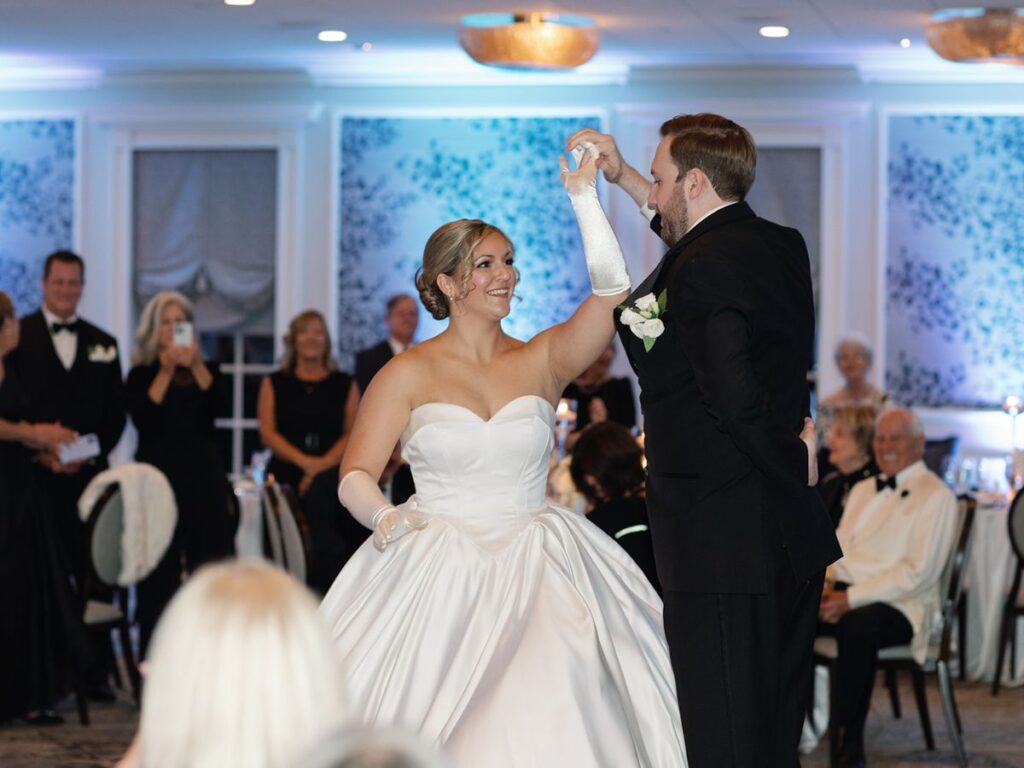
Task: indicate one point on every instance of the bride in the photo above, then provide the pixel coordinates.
(506, 631)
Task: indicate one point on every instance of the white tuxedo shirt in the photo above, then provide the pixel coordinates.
(895, 546)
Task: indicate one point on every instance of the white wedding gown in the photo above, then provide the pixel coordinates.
(508, 632)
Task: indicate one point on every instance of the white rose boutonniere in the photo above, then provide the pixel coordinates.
(101, 354)
(643, 318)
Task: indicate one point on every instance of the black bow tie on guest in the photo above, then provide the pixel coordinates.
(881, 485)
(71, 327)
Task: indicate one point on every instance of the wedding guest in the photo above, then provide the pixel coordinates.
(242, 672)
(607, 468)
(849, 445)
(306, 408)
(173, 399)
(401, 319)
(853, 357)
(69, 372)
(896, 535)
(601, 397)
(33, 579)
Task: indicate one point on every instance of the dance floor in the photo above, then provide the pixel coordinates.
(992, 726)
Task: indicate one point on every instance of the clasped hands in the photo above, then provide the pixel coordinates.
(834, 604)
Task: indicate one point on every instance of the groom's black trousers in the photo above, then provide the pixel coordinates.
(743, 667)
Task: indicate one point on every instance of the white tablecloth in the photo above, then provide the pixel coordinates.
(989, 573)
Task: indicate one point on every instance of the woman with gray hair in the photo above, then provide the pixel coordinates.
(172, 398)
(853, 358)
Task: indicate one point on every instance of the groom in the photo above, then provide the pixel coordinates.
(741, 541)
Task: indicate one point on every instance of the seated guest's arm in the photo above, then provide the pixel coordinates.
(933, 526)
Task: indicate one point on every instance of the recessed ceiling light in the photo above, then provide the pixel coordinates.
(905, 42)
(366, 46)
(772, 30)
(239, 2)
(332, 36)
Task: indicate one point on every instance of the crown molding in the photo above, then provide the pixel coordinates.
(265, 115)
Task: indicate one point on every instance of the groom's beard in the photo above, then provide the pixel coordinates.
(675, 220)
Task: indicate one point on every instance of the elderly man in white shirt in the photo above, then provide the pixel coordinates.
(896, 535)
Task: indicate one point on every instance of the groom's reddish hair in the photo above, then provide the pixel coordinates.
(722, 149)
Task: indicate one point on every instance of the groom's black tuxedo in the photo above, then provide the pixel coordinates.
(740, 540)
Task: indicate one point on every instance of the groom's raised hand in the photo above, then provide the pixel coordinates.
(609, 159)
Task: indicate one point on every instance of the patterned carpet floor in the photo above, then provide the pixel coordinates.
(993, 731)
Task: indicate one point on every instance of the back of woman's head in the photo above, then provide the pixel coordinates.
(607, 463)
(241, 672)
(449, 251)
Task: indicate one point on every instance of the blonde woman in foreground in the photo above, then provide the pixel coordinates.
(241, 673)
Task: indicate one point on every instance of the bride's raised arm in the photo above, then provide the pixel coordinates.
(576, 343)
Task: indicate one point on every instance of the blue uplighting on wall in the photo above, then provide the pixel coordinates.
(401, 178)
(37, 160)
(955, 245)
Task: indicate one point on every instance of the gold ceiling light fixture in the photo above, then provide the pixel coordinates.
(532, 40)
(978, 35)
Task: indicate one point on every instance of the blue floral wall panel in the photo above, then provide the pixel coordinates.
(401, 178)
(955, 274)
(37, 170)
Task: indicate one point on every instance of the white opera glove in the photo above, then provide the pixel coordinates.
(607, 267)
(362, 497)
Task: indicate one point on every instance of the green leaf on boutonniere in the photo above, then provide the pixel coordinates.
(662, 300)
(648, 343)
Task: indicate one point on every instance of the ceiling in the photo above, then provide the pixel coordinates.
(44, 39)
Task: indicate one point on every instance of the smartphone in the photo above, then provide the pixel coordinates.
(85, 447)
(184, 334)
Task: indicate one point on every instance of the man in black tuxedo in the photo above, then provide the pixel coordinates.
(69, 373)
(741, 539)
(402, 318)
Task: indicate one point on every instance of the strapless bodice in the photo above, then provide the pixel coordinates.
(466, 466)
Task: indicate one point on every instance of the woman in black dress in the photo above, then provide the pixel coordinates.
(172, 399)
(607, 468)
(39, 614)
(601, 397)
(307, 407)
(849, 441)
(306, 410)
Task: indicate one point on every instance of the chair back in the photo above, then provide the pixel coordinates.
(1015, 522)
(937, 453)
(105, 527)
(287, 547)
(951, 584)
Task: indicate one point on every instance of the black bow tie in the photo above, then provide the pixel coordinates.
(71, 327)
(881, 485)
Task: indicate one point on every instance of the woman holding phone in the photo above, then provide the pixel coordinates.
(172, 399)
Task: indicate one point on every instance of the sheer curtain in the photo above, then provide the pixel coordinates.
(205, 226)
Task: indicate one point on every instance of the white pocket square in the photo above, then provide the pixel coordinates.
(100, 354)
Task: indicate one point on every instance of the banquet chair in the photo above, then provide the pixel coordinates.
(286, 536)
(1013, 608)
(940, 648)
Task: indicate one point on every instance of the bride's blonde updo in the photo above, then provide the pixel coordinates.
(449, 251)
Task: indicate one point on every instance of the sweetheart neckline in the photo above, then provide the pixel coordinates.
(480, 418)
